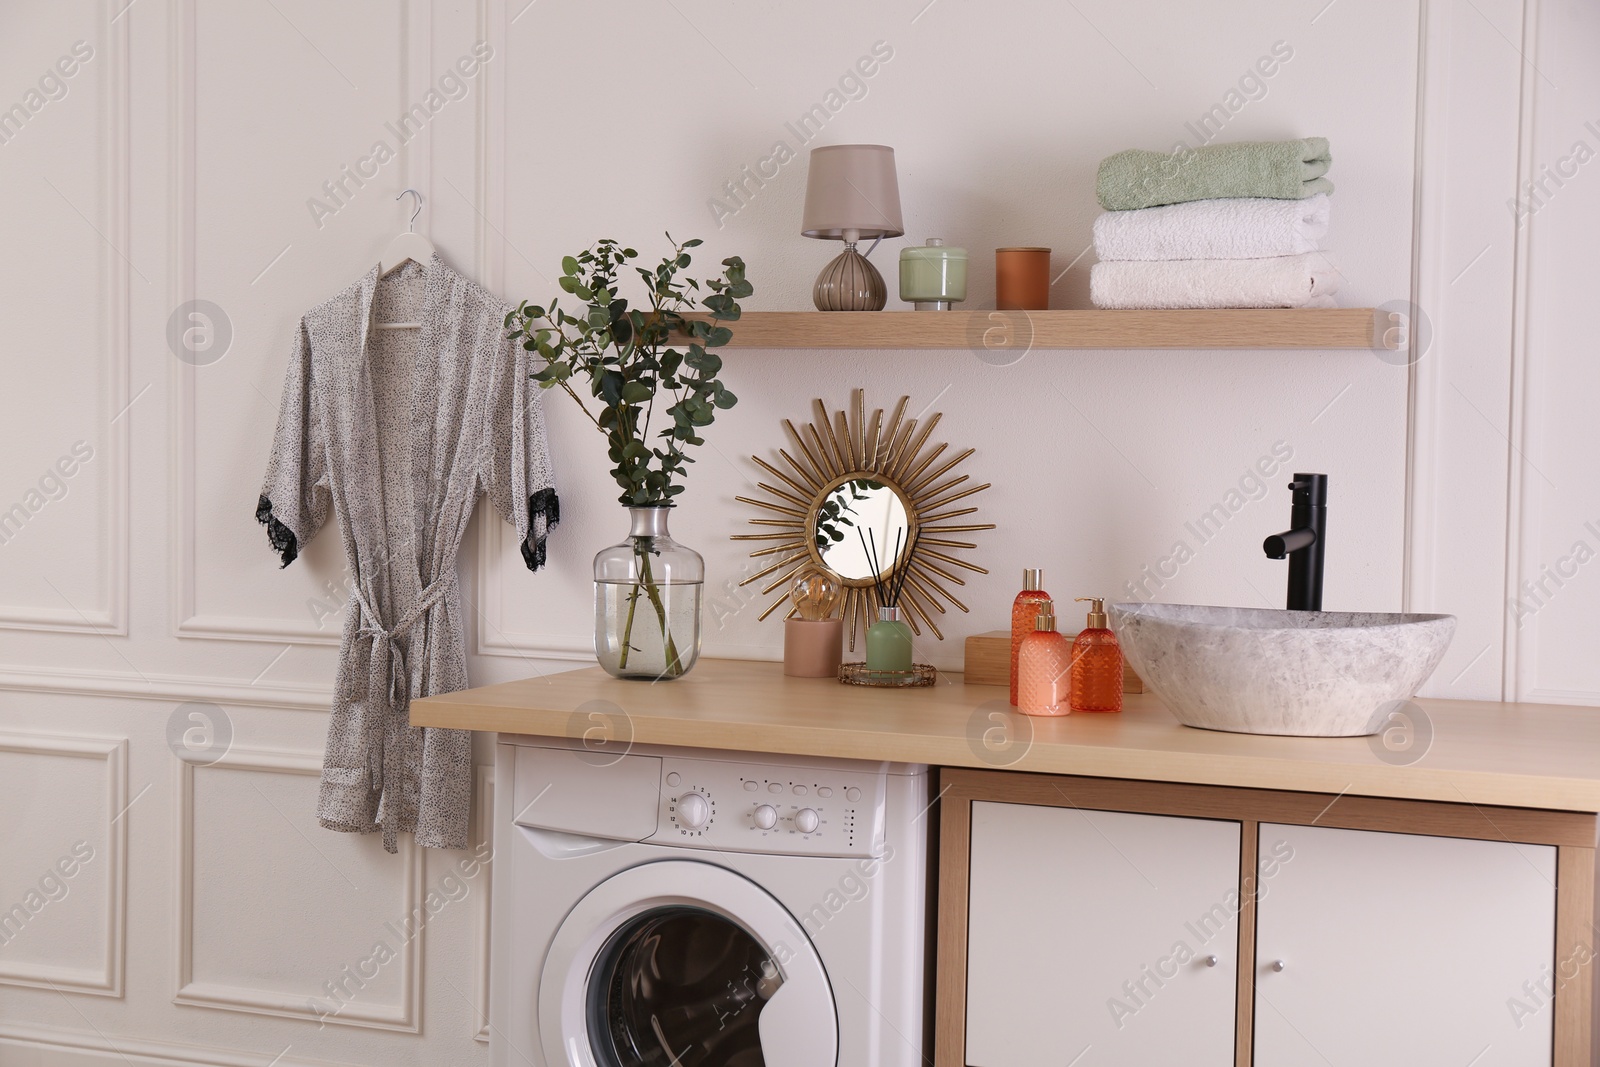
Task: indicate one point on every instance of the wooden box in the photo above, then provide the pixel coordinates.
(988, 661)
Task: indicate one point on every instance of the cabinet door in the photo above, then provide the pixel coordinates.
(1399, 949)
(1093, 930)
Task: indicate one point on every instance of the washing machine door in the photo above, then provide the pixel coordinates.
(684, 964)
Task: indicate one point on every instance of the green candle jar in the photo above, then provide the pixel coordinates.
(932, 277)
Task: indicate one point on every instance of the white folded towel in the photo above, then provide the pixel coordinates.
(1240, 228)
(1305, 281)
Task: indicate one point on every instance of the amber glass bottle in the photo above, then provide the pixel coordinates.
(1096, 663)
(1024, 610)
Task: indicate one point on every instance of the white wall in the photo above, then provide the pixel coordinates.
(179, 165)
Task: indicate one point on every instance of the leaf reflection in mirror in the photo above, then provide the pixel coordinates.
(862, 508)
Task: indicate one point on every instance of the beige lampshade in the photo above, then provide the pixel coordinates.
(852, 187)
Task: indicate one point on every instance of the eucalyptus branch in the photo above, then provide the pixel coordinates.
(629, 357)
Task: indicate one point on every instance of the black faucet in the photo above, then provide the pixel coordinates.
(1304, 541)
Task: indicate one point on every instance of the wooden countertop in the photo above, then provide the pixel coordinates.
(1517, 755)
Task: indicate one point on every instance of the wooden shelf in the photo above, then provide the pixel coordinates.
(1003, 332)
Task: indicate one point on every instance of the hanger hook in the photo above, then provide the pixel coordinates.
(411, 227)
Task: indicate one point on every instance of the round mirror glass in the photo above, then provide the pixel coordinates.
(861, 518)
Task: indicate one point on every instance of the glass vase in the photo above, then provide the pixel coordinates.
(647, 592)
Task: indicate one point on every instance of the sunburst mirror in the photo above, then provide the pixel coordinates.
(858, 490)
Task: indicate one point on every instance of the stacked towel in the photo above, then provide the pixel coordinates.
(1235, 228)
(1223, 226)
(1281, 170)
(1307, 281)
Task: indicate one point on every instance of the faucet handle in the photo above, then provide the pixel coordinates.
(1310, 489)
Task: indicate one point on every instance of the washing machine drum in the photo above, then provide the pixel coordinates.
(685, 964)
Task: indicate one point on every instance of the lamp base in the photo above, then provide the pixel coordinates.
(850, 283)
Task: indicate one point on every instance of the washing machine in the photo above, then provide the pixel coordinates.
(683, 908)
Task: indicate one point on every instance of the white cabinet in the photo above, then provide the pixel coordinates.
(1100, 934)
(1088, 921)
(1403, 949)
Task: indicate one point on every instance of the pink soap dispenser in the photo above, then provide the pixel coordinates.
(1044, 668)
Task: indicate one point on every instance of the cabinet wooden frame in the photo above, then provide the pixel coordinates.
(1573, 834)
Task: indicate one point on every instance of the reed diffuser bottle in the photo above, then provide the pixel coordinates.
(888, 639)
(889, 642)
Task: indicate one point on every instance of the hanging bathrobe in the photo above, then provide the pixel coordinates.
(394, 433)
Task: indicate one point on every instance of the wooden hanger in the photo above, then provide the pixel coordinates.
(409, 246)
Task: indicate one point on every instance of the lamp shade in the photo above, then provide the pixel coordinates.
(852, 187)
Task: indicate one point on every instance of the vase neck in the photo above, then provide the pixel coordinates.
(648, 522)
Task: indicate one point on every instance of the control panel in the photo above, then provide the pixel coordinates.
(798, 810)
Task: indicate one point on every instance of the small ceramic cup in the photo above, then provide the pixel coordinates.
(1022, 279)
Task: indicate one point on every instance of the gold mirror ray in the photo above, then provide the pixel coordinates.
(844, 458)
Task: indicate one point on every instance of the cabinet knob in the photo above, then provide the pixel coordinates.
(1278, 965)
(1211, 961)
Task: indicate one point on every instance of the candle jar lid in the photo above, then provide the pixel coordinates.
(935, 248)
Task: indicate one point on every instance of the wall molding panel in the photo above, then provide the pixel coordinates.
(1465, 263)
(416, 24)
(1539, 432)
(109, 618)
(1584, 697)
(107, 980)
(1522, 492)
(66, 1048)
(483, 833)
(493, 636)
(164, 688)
(403, 1015)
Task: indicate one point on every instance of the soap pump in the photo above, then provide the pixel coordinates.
(1096, 663)
(1044, 667)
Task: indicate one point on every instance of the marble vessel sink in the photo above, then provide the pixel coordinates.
(1263, 671)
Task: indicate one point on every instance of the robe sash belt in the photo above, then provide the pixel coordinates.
(389, 681)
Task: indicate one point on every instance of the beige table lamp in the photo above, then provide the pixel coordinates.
(851, 193)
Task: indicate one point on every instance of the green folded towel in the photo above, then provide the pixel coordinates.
(1278, 170)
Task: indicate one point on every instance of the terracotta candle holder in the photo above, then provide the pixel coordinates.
(1022, 279)
(812, 648)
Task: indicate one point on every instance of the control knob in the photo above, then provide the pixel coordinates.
(805, 820)
(766, 816)
(693, 811)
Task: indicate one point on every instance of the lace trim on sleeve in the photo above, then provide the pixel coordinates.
(281, 537)
(543, 505)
